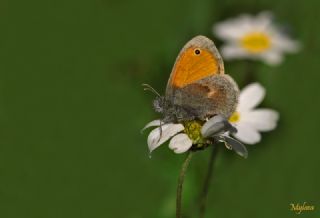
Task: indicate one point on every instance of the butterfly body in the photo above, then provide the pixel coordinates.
(197, 87)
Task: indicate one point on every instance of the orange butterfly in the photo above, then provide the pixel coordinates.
(197, 87)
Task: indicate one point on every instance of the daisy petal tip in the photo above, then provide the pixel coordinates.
(180, 143)
(179, 151)
(251, 96)
(237, 146)
(273, 58)
(245, 156)
(242, 154)
(263, 119)
(258, 87)
(253, 142)
(276, 115)
(153, 139)
(150, 124)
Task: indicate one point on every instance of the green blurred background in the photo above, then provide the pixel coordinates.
(72, 106)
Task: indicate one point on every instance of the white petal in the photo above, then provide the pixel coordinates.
(180, 143)
(282, 42)
(233, 51)
(215, 126)
(272, 57)
(234, 28)
(250, 97)
(263, 21)
(247, 134)
(152, 123)
(158, 137)
(261, 119)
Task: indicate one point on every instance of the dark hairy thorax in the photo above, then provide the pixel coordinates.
(171, 112)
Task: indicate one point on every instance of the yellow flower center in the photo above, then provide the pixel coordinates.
(256, 42)
(235, 117)
(193, 130)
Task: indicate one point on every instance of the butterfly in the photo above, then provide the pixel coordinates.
(198, 88)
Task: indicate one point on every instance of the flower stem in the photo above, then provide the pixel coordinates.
(206, 185)
(180, 183)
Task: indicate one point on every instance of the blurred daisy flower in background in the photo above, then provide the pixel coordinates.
(248, 120)
(194, 135)
(254, 37)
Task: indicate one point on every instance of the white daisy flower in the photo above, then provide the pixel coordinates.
(193, 135)
(254, 37)
(250, 121)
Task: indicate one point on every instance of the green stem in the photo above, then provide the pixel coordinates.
(180, 183)
(206, 185)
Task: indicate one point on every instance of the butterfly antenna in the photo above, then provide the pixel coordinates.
(147, 87)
